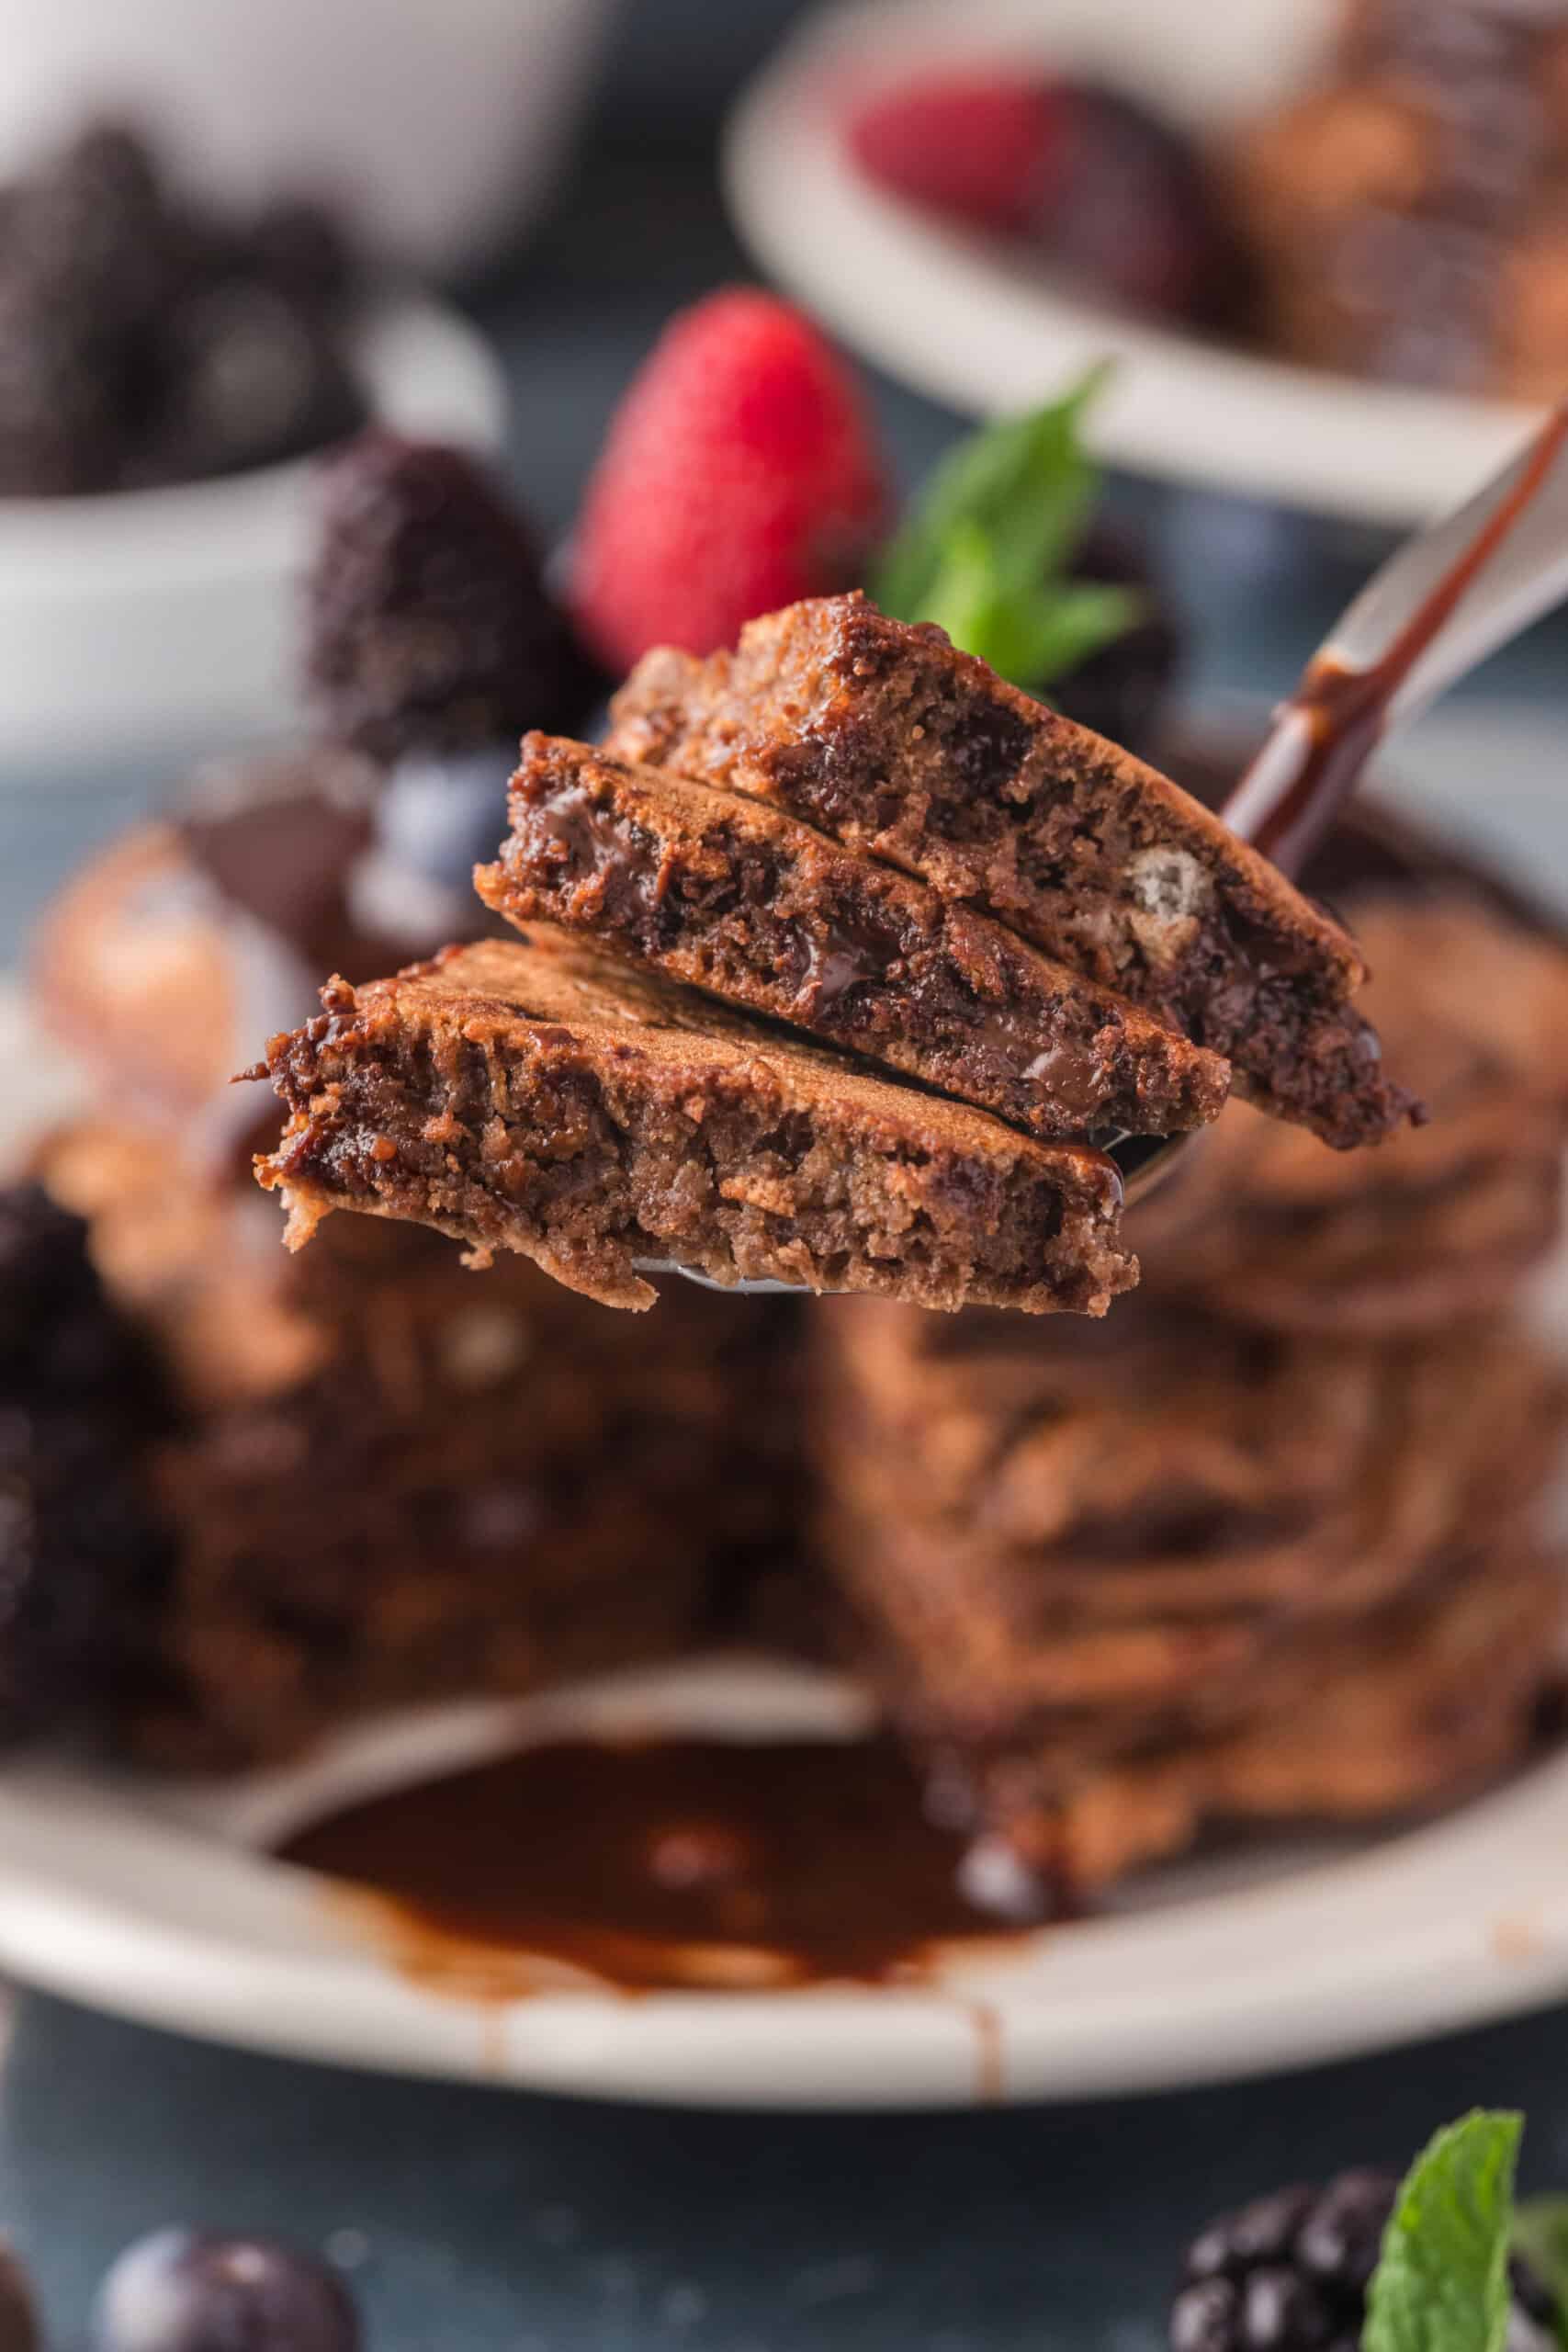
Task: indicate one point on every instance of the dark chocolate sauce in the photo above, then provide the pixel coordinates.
(663, 1863)
(1346, 710)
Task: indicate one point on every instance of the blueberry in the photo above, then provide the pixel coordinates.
(438, 817)
(190, 2291)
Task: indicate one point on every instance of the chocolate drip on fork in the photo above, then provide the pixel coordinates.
(1324, 733)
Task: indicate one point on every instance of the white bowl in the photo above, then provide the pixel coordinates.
(436, 124)
(958, 318)
(159, 623)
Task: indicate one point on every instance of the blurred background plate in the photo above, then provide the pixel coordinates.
(960, 321)
(156, 622)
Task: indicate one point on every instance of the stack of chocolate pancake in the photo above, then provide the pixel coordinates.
(372, 1477)
(851, 955)
(1276, 1540)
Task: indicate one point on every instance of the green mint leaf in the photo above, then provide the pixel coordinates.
(1027, 635)
(1540, 2234)
(963, 591)
(1024, 480)
(984, 548)
(1077, 621)
(1441, 2283)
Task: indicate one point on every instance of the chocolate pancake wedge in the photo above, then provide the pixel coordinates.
(540, 1098)
(731, 895)
(885, 736)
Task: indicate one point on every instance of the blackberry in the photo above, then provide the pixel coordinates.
(1290, 2273)
(144, 339)
(58, 1333)
(81, 1562)
(298, 250)
(1126, 208)
(60, 429)
(95, 228)
(429, 628)
(253, 377)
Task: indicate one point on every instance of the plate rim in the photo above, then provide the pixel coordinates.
(1460, 1920)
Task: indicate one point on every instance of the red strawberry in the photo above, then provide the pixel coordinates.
(973, 144)
(739, 475)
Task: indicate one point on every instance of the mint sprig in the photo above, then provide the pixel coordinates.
(1540, 2234)
(1441, 2283)
(985, 549)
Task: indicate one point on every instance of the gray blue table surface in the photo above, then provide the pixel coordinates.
(480, 2220)
(486, 2220)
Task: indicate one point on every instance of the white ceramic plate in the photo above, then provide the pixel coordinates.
(164, 622)
(159, 1900)
(947, 313)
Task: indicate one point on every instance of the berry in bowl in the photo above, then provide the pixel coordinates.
(167, 371)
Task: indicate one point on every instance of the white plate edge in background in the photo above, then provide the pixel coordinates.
(940, 311)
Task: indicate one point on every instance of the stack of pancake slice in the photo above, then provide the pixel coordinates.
(839, 963)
